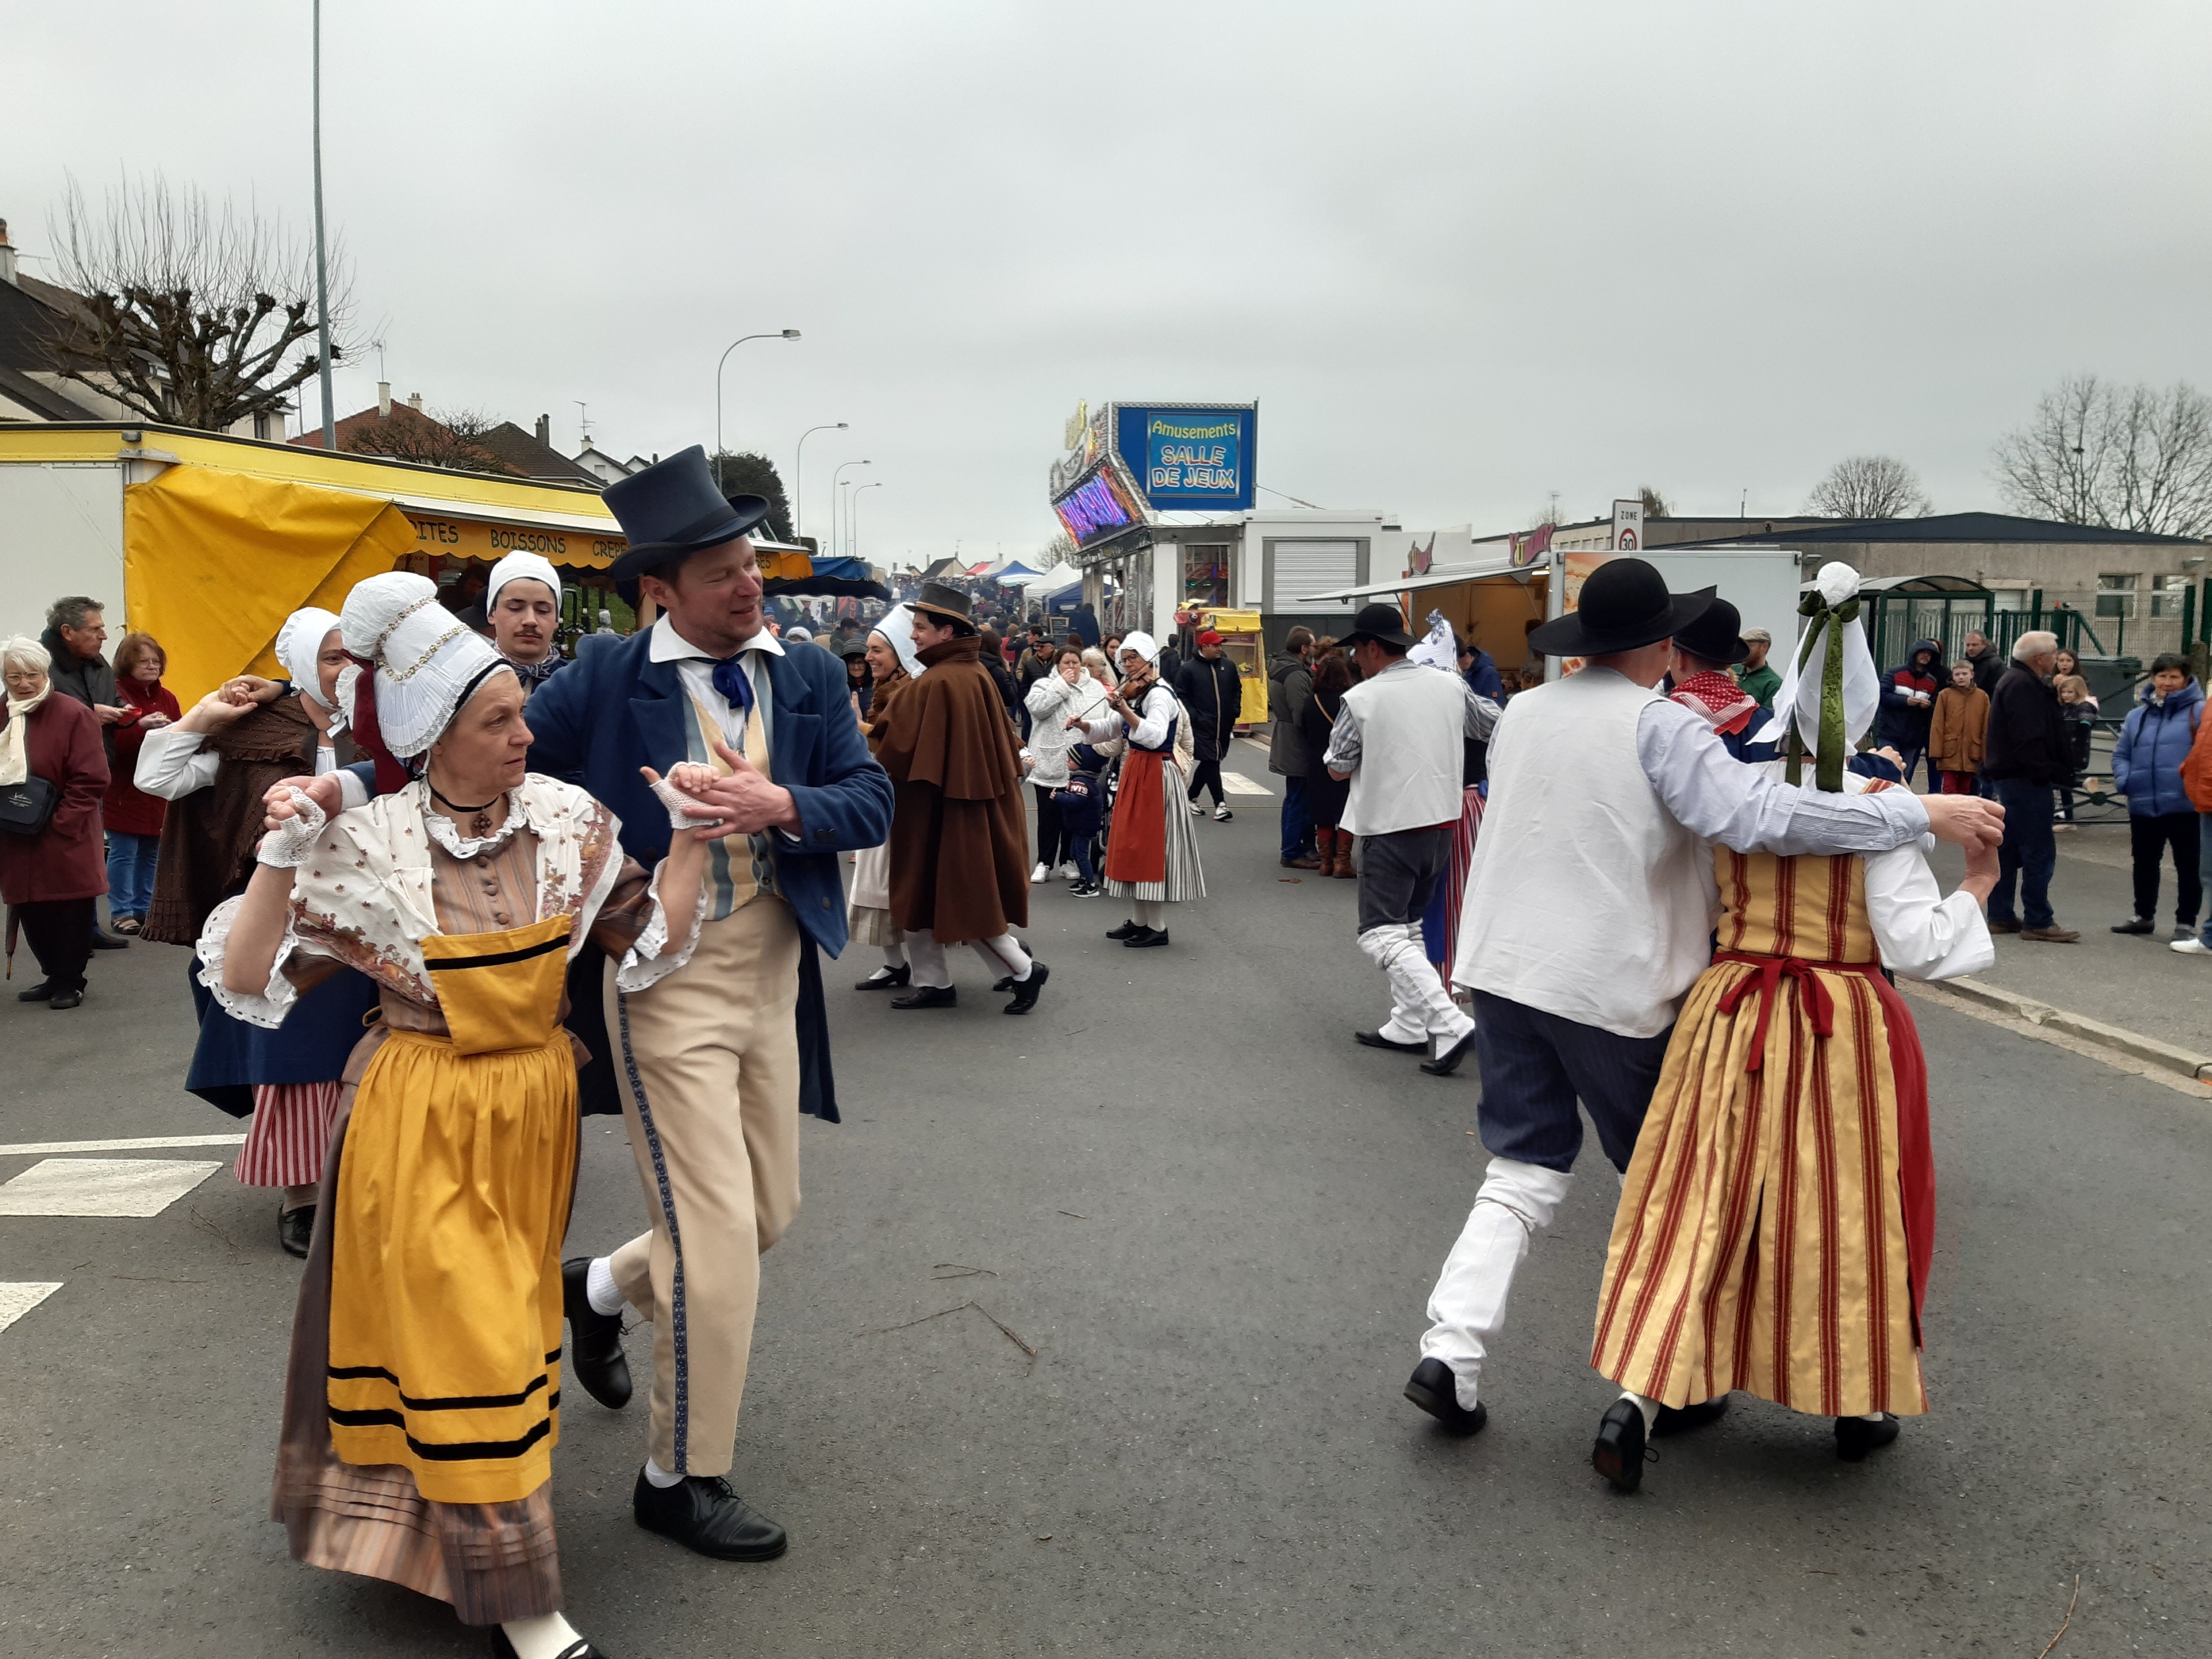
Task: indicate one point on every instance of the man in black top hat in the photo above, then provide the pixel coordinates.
(1590, 911)
(1401, 739)
(715, 1063)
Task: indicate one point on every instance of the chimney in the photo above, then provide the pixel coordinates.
(545, 430)
(384, 400)
(414, 402)
(6, 256)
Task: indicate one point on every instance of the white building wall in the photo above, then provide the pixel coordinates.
(61, 532)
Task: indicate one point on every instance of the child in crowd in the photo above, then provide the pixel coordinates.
(1955, 733)
(1081, 804)
(131, 817)
(2078, 710)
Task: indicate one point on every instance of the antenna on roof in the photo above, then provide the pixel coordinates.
(583, 421)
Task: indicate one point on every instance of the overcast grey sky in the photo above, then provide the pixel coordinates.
(1464, 255)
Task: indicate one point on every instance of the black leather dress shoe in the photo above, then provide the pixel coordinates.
(1448, 1062)
(108, 942)
(503, 1648)
(1672, 1421)
(1146, 939)
(65, 999)
(1619, 1454)
(701, 1513)
(1377, 1040)
(1856, 1437)
(595, 1349)
(295, 1229)
(1128, 930)
(1026, 990)
(1433, 1389)
(42, 992)
(887, 978)
(929, 996)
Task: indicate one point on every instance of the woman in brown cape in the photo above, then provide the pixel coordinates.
(959, 839)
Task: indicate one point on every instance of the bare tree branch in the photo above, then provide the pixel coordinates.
(2127, 458)
(1869, 487)
(186, 313)
(447, 439)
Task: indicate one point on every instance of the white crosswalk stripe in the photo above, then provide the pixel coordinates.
(41, 1148)
(18, 1299)
(102, 1186)
(1237, 784)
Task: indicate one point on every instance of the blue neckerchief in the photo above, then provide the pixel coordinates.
(734, 683)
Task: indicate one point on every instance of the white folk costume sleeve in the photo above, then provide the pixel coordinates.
(1718, 798)
(1923, 934)
(171, 764)
(650, 957)
(266, 1007)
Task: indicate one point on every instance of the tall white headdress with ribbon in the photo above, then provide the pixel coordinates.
(413, 665)
(1830, 690)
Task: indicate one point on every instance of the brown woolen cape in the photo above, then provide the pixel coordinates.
(959, 839)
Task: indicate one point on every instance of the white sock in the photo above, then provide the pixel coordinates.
(599, 1286)
(1645, 1404)
(1872, 1417)
(1006, 951)
(660, 1477)
(546, 1637)
(895, 955)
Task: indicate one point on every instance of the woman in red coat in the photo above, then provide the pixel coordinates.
(133, 817)
(50, 880)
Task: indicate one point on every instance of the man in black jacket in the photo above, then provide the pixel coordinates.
(1213, 692)
(1989, 667)
(2026, 757)
(1290, 684)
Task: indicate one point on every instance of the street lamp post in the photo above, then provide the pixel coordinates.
(322, 262)
(837, 478)
(798, 472)
(784, 334)
(852, 522)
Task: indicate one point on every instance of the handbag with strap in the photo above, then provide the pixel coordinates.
(27, 807)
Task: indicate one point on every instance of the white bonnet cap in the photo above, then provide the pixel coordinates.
(897, 629)
(300, 648)
(425, 661)
(1143, 644)
(535, 566)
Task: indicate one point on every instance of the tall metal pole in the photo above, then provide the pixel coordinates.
(782, 334)
(853, 527)
(322, 259)
(798, 472)
(837, 483)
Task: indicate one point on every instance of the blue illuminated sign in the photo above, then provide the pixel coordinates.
(1189, 459)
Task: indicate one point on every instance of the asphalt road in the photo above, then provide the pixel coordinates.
(1215, 1220)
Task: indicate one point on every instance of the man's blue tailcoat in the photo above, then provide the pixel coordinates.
(614, 710)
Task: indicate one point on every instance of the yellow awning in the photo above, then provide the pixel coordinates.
(213, 561)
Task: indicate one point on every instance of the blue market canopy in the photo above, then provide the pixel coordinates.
(843, 578)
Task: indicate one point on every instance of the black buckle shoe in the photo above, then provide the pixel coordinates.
(595, 1349)
(1448, 1062)
(1433, 1389)
(1856, 1437)
(887, 978)
(1025, 990)
(701, 1513)
(1619, 1454)
(503, 1648)
(295, 1229)
(1377, 1040)
(929, 996)
(1126, 930)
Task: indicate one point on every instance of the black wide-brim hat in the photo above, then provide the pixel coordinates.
(1382, 623)
(673, 508)
(1623, 605)
(942, 600)
(1714, 635)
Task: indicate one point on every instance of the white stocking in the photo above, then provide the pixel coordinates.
(1466, 1310)
(929, 959)
(1005, 952)
(895, 952)
(1150, 912)
(546, 1637)
(1420, 1007)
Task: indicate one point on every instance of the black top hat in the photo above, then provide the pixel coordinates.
(1713, 635)
(674, 507)
(1381, 623)
(1623, 604)
(943, 601)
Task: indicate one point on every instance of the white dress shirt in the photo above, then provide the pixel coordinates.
(695, 666)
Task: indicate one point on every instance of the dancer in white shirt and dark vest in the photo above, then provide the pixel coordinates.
(1590, 911)
(1401, 739)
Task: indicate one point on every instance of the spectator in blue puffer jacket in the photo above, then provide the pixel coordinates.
(2147, 768)
(1908, 703)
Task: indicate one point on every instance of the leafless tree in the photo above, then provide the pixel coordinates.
(447, 439)
(1654, 504)
(2127, 457)
(186, 313)
(1060, 551)
(1869, 487)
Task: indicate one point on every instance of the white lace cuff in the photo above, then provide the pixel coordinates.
(268, 1008)
(286, 846)
(650, 960)
(675, 800)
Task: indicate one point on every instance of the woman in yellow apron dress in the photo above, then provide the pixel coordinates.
(424, 1400)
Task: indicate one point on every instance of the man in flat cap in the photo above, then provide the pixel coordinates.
(715, 1063)
(959, 845)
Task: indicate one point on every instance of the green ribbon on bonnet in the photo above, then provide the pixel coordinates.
(1828, 764)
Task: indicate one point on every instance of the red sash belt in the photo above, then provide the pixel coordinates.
(1916, 1156)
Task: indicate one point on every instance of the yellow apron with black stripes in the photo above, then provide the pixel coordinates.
(452, 1196)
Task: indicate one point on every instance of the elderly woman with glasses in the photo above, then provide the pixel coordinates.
(53, 771)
